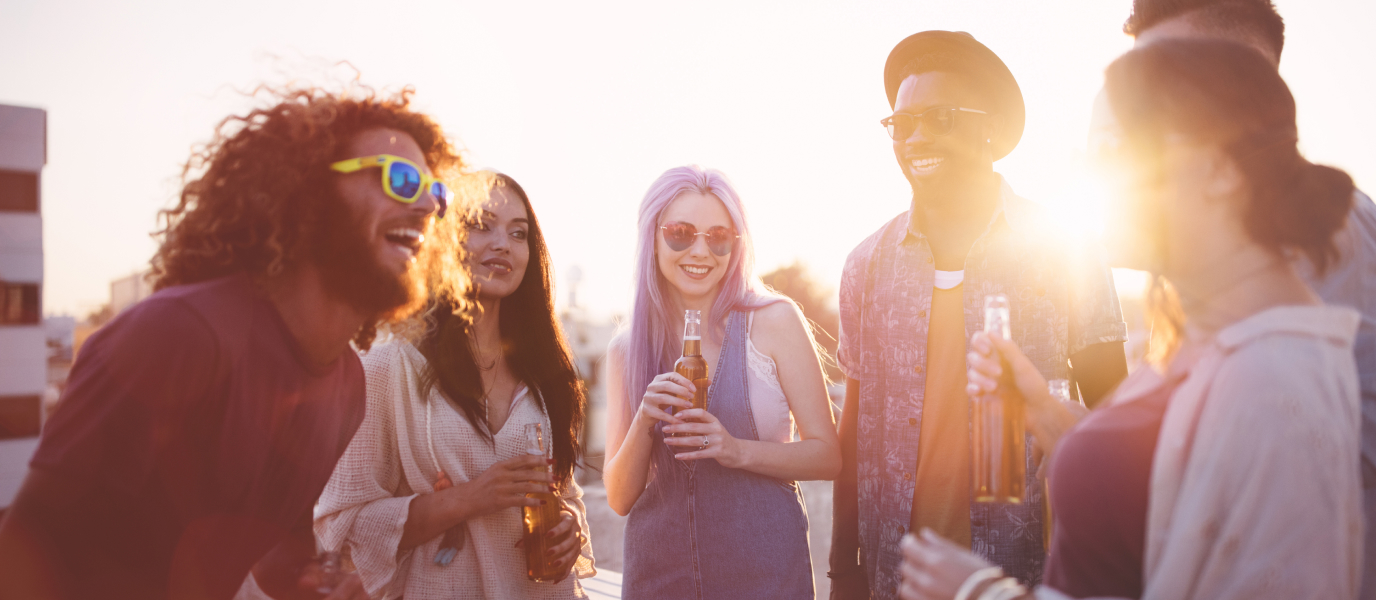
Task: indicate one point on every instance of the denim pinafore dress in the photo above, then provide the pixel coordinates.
(701, 531)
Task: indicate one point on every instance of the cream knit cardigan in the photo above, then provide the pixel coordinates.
(390, 461)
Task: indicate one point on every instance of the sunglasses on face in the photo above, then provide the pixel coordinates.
(402, 179)
(934, 122)
(680, 236)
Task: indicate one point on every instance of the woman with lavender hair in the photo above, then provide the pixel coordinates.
(714, 512)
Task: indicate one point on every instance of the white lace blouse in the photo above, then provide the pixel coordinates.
(773, 420)
(390, 461)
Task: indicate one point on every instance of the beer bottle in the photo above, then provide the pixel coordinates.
(997, 431)
(538, 520)
(692, 366)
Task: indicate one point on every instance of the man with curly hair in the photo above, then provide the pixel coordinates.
(200, 426)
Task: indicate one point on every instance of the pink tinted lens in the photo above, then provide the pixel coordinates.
(720, 241)
(678, 236)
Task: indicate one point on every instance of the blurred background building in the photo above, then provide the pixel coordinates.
(23, 342)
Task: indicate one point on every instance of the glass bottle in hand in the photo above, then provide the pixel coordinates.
(997, 430)
(692, 366)
(538, 520)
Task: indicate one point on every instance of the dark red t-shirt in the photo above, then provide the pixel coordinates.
(1100, 482)
(201, 437)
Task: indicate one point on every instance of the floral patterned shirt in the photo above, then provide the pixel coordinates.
(1063, 301)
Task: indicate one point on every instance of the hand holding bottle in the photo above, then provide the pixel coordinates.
(666, 393)
(998, 366)
(564, 545)
(504, 485)
(988, 357)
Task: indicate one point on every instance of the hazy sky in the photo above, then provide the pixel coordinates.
(585, 103)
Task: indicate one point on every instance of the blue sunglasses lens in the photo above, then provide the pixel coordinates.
(442, 197)
(404, 180)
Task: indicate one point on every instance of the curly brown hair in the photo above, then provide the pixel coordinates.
(252, 199)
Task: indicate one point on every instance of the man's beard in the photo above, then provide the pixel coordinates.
(345, 254)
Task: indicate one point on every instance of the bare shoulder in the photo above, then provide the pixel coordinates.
(777, 326)
(617, 348)
(778, 317)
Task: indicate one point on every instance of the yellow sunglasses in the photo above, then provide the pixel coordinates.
(402, 179)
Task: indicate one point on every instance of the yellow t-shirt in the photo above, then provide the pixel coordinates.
(941, 496)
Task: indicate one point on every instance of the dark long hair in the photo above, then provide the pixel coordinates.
(534, 345)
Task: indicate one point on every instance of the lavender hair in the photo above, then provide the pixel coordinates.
(653, 348)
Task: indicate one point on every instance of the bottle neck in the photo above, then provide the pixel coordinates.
(692, 346)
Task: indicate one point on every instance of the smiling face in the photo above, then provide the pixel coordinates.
(368, 247)
(498, 245)
(395, 229)
(694, 271)
(934, 164)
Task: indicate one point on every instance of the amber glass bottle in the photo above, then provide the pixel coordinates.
(997, 426)
(692, 366)
(538, 520)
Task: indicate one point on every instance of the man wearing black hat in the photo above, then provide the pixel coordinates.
(912, 294)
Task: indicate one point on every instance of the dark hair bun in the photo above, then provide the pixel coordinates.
(1323, 196)
(1296, 203)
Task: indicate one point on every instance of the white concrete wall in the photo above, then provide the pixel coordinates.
(128, 291)
(23, 348)
(14, 466)
(23, 360)
(23, 138)
(21, 247)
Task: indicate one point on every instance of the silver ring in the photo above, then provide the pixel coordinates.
(706, 441)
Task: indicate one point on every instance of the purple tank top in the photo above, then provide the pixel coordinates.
(1100, 481)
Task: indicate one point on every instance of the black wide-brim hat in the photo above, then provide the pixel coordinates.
(974, 60)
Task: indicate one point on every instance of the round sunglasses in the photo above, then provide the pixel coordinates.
(934, 122)
(402, 179)
(680, 236)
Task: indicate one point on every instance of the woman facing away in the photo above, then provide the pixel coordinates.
(1230, 470)
(429, 495)
(714, 511)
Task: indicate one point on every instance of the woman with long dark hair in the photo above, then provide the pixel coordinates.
(1228, 469)
(714, 508)
(428, 498)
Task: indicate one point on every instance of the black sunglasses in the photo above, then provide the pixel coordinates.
(934, 122)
